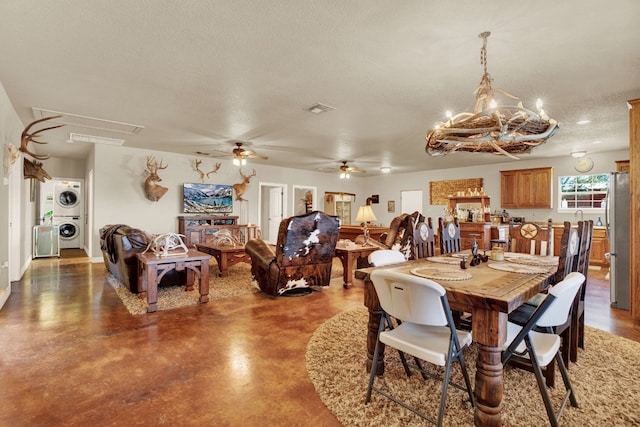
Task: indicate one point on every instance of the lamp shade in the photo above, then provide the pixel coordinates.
(365, 214)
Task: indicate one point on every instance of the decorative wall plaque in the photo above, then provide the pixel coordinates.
(440, 190)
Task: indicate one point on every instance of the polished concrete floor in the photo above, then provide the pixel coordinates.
(71, 354)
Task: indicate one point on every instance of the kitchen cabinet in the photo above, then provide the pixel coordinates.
(480, 230)
(526, 188)
(622, 166)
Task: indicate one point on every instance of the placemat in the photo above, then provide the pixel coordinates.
(441, 273)
(517, 268)
(546, 261)
(444, 259)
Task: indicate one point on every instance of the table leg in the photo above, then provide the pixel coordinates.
(223, 268)
(152, 288)
(489, 370)
(347, 259)
(204, 281)
(372, 302)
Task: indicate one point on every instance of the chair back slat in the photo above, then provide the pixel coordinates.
(425, 246)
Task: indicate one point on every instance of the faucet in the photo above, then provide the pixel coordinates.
(581, 214)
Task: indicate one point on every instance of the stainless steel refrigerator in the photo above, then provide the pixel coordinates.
(617, 223)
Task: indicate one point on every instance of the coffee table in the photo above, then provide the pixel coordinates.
(348, 255)
(225, 255)
(151, 269)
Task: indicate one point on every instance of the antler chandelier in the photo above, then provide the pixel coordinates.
(506, 129)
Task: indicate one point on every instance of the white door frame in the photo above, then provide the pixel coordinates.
(263, 203)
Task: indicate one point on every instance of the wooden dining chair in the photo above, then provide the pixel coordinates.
(424, 241)
(449, 236)
(567, 262)
(530, 238)
(585, 231)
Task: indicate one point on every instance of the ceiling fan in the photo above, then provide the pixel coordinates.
(346, 170)
(240, 155)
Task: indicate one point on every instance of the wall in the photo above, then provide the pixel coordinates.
(10, 130)
(119, 174)
(389, 187)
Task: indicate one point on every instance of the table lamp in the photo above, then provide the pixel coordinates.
(365, 214)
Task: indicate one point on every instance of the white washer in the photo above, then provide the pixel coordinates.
(67, 198)
(70, 231)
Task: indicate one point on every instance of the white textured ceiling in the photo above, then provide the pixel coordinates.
(201, 74)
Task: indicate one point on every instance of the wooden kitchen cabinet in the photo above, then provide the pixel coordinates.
(526, 188)
(599, 247)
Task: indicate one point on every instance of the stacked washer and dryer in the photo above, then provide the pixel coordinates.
(64, 199)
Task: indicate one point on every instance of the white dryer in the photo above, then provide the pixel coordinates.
(67, 198)
(71, 231)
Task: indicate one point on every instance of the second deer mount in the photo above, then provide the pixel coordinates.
(205, 175)
(240, 187)
(152, 190)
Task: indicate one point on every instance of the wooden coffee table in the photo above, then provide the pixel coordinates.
(225, 255)
(152, 268)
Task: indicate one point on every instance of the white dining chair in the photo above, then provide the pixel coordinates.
(385, 257)
(427, 332)
(538, 349)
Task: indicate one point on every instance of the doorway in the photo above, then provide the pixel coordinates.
(272, 199)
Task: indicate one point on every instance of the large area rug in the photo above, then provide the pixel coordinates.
(238, 283)
(605, 380)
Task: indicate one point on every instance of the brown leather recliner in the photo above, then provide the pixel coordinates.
(120, 244)
(303, 255)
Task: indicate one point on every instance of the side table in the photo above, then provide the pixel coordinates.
(152, 268)
(348, 255)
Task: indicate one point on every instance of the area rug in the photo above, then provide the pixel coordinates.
(605, 380)
(169, 297)
(238, 283)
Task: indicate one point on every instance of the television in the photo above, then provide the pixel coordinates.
(207, 198)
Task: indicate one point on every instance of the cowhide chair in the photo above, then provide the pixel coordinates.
(302, 258)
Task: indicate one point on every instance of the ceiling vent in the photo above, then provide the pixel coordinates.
(319, 108)
(87, 122)
(78, 137)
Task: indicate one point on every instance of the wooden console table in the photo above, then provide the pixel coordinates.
(152, 268)
(225, 255)
(348, 255)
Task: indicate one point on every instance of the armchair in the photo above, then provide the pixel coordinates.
(302, 258)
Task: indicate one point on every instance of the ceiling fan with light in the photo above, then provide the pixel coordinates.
(239, 154)
(346, 170)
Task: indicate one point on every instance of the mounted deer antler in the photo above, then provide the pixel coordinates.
(29, 137)
(154, 191)
(204, 175)
(242, 186)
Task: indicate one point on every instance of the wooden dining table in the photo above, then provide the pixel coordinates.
(490, 295)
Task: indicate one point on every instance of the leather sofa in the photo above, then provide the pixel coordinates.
(120, 243)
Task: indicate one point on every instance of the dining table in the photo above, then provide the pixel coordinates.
(489, 291)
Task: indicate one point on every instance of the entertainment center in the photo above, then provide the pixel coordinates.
(195, 228)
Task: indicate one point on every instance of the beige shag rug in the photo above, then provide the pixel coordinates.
(606, 380)
(238, 283)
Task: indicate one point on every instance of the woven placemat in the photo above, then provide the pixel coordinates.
(526, 259)
(517, 268)
(441, 273)
(444, 260)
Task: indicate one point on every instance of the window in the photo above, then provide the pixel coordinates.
(583, 192)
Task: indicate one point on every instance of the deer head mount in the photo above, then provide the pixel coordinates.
(240, 187)
(11, 153)
(153, 191)
(205, 175)
(34, 170)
